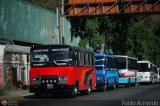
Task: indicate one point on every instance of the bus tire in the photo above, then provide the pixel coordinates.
(136, 83)
(113, 86)
(88, 91)
(74, 91)
(104, 88)
(117, 85)
(128, 85)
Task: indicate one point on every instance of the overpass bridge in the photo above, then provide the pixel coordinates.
(111, 7)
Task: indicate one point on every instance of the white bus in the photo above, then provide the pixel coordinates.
(146, 72)
(155, 69)
(158, 74)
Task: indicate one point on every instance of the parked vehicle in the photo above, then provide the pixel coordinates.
(61, 69)
(155, 74)
(146, 72)
(106, 72)
(158, 75)
(128, 68)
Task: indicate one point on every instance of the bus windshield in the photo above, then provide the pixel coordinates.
(61, 58)
(121, 62)
(40, 57)
(100, 61)
(112, 64)
(143, 67)
(100, 68)
(46, 57)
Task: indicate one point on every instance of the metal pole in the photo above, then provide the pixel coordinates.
(58, 10)
(62, 21)
(59, 19)
(58, 24)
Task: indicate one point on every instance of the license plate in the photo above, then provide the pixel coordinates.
(49, 86)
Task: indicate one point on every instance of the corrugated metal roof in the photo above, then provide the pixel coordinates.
(15, 49)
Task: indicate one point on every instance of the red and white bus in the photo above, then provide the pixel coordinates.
(62, 69)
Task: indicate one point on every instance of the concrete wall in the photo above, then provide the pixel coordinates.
(22, 21)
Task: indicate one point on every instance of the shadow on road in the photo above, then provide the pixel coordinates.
(51, 96)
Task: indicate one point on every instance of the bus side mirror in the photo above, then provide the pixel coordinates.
(149, 65)
(74, 55)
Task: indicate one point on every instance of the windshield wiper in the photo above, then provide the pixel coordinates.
(55, 62)
(64, 60)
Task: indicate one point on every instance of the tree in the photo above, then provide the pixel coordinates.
(142, 43)
(126, 35)
(91, 36)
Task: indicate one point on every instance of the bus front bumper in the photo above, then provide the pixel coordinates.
(50, 89)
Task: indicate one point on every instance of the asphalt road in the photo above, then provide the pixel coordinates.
(142, 95)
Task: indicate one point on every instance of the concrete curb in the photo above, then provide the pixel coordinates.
(12, 98)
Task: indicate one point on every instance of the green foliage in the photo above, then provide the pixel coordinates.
(136, 41)
(91, 36)
(126, 35)
(83, 42)
(96, 40)
(2, 91)
(92, 26)
(141, 42)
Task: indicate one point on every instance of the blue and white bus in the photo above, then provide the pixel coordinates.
(106, 71)
(128, 68)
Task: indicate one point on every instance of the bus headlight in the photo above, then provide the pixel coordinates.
(63, 80)
(99, 78)
(36, 80)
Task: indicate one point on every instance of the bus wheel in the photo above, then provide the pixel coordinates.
(104, 88)
(114, 86)
(136, 83)
(74, 91)
(117, 85)
(128, 85)
(88, 91)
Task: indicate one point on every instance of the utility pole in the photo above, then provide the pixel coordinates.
(60, 20)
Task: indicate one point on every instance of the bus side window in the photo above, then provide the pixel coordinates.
(111, 66)
(75, 57)
(93, 60)
(89, 60)
(79, 59)
(84, 57)
(106, 63)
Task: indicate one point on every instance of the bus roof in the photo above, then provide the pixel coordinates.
(106, 55)
(145, 61)
(60, 46)
(125, 56)
(100, 54)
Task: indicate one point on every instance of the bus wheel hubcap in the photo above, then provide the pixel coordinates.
(75, 90)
